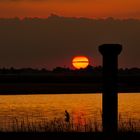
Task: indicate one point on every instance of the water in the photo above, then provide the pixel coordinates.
(36, 108)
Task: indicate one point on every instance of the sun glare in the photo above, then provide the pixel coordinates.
(80, 62)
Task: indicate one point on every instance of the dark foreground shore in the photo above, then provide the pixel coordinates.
(69, 136)
(62, 83)
(60, 88)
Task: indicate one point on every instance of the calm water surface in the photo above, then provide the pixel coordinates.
(36, 108)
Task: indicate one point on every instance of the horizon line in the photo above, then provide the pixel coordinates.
(52, 15)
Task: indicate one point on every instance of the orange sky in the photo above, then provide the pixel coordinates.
(84, 8)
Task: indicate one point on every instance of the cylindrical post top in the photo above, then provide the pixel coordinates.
(110, 49)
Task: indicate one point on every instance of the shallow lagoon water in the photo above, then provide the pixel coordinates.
(35, 108)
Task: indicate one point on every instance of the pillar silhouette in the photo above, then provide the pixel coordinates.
(110, 54)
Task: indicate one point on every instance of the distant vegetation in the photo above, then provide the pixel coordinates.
(63, 70)
(128, 79)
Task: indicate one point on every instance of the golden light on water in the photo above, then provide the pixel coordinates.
(83, 108)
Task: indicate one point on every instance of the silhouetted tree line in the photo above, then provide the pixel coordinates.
(66, 75)
(63, 70)
(56, 70)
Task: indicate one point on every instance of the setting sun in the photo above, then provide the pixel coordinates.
(80, 62)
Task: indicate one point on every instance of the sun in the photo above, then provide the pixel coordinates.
(80, 62)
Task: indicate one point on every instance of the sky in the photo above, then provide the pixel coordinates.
(54, 39)
(70, 8)
(51, 42)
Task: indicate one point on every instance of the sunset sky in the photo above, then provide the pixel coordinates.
(76, 8)
(49, 40)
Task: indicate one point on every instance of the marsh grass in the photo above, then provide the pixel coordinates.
(129, 125)
(55, 125)
(59, 125)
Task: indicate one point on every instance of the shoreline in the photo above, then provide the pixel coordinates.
(59, 88)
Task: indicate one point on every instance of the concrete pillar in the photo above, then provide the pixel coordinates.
(110, 54)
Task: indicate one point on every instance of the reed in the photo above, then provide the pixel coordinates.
(59, 125)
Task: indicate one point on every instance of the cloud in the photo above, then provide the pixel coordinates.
(38, 0)
(42, 0)
(54, 41)
(23, 0)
